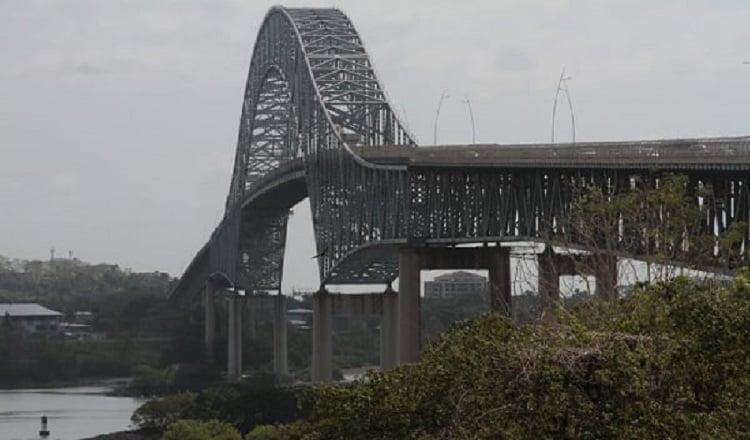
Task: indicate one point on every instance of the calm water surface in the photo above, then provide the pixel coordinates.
(72, 413)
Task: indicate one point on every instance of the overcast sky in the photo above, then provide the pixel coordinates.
(118, 119)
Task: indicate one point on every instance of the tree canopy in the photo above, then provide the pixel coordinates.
(669, 361)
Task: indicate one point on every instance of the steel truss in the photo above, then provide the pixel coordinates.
(453, 205)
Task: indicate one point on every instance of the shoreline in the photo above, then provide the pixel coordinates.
(134, 434)
(114, 383)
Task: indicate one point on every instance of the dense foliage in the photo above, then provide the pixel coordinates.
(131, 318)
(192, 430)
(242, 406)
(121, 301)
(669, 361)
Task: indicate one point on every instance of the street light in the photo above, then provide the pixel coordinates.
(443, 97)
(471, 116)
(562, 86)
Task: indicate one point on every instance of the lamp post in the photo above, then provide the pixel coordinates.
(562, 86)
(443, 97)
(471, 116)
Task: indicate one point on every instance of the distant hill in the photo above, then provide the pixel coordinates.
(69, 283)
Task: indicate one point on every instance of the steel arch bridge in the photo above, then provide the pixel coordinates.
(311, 92)
(317, 123)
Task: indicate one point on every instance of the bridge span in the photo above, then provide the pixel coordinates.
(317, 124)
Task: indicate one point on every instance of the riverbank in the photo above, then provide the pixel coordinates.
(113, 383)
(137, 434)
(72, 412)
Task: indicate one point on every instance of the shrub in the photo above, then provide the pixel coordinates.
(264, 432)
(193, 430)
(145, 376)
(191, 376)
(667, 362)
(161, 412)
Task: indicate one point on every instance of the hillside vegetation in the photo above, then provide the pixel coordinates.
(669, 361)
(130, 314)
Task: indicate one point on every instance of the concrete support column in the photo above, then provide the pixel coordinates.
(408, 306)
(549, 279)
(322, 347)
(234, 349)
(280, 363)
(389, 331)
(209, 321)
(606, 276)
(500, 285)
(250, 323)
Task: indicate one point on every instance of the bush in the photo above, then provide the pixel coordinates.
(667, 362)
(243, 406)
(161, 412)
(246, 406)
(192, 430)
(193, 376)
(264, 432)
(145, 376)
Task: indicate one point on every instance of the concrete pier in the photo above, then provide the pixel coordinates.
(280, 362)
(322, 344)
(389, 331)
(251, 329)
(234, 338)
(355, 305)
(552, 266)
(548, 282)
(500, 285)
(209, 321)
(412, 260)
(606, 277)
(408, 306)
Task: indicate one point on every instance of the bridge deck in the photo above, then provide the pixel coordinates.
(708, 153)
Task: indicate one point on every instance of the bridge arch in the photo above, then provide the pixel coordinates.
(272, 126)
(311, 92)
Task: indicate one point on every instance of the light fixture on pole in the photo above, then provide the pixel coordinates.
(562, 86)
(443, 97)
(471, 116)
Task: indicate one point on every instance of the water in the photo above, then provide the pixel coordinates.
(73, 413)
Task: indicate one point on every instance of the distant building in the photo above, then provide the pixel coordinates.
(30, 319)
(455, 284)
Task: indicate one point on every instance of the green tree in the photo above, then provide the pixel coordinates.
(662, 219)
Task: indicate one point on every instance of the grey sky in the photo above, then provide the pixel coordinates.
(118, 119)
